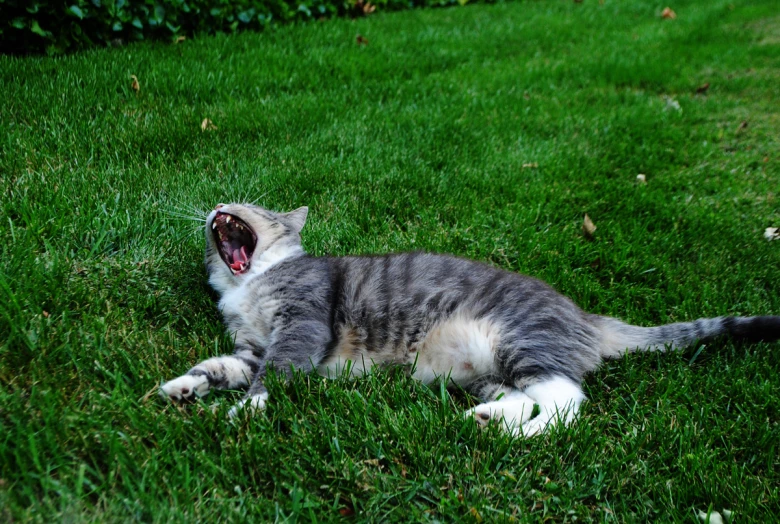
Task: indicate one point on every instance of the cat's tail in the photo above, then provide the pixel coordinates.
(619, 338)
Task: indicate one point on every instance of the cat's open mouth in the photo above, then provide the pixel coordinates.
(235, 241)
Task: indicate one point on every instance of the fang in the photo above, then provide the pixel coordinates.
(214, 225)
(227, 219)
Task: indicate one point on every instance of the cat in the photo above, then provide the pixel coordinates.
(508, 339)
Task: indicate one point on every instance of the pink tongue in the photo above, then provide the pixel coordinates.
(239, 258)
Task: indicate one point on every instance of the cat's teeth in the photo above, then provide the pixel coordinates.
(214, 225)
(227, 219)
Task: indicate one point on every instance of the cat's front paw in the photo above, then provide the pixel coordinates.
(252, 405)
(185, 387)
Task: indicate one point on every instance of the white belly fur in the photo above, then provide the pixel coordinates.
(460, 348)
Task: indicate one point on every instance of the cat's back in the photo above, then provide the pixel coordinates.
(379, 292)
(394, 299)
(436, 281)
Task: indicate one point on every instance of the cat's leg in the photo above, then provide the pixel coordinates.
(252, 402)
(507, 405)
(559, 399)
(225, 372)
(299, 346)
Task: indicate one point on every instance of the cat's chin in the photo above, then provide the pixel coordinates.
(235, 241)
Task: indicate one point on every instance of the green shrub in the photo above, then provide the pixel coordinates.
(33, 26)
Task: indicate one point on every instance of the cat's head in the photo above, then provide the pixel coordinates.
(244, 239)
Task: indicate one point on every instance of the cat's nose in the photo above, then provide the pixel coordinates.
(219, 206)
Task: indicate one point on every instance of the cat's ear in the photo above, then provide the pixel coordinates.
(297, 219)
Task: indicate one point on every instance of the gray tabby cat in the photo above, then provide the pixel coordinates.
(510, 340)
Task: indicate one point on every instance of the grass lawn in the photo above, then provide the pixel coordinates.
(486, 131)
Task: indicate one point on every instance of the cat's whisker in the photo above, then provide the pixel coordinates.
(186, 217)
(183, 234)
(193, 217)
(190, 209)
(245, 197)
(186, 213)
(256, 200)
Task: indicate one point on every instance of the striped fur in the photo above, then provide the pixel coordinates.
(509, 339)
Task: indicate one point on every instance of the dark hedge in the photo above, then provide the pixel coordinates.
(35, 26)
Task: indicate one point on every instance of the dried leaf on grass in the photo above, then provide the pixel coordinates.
(668, 14)
(207, 125)
(180, 39)
(702, 89)
(588, 227)
(362, 8)
(361, 40)
(530, 165)
(135, 85)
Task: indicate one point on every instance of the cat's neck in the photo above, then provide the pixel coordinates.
(272, 256)
(223, 281)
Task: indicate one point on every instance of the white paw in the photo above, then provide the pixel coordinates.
(547, 420)
(252, 405)
(511, 411)
(481, 414)
(185, 388)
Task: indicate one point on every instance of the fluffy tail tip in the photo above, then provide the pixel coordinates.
(753, 329)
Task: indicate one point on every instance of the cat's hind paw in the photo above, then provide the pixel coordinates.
(482, 415)
(185, 387)
(511, 412)
(252, 405)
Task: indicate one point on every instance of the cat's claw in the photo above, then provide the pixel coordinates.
(185, 387)
(252, 405)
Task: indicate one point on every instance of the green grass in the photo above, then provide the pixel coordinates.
(421, 139)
